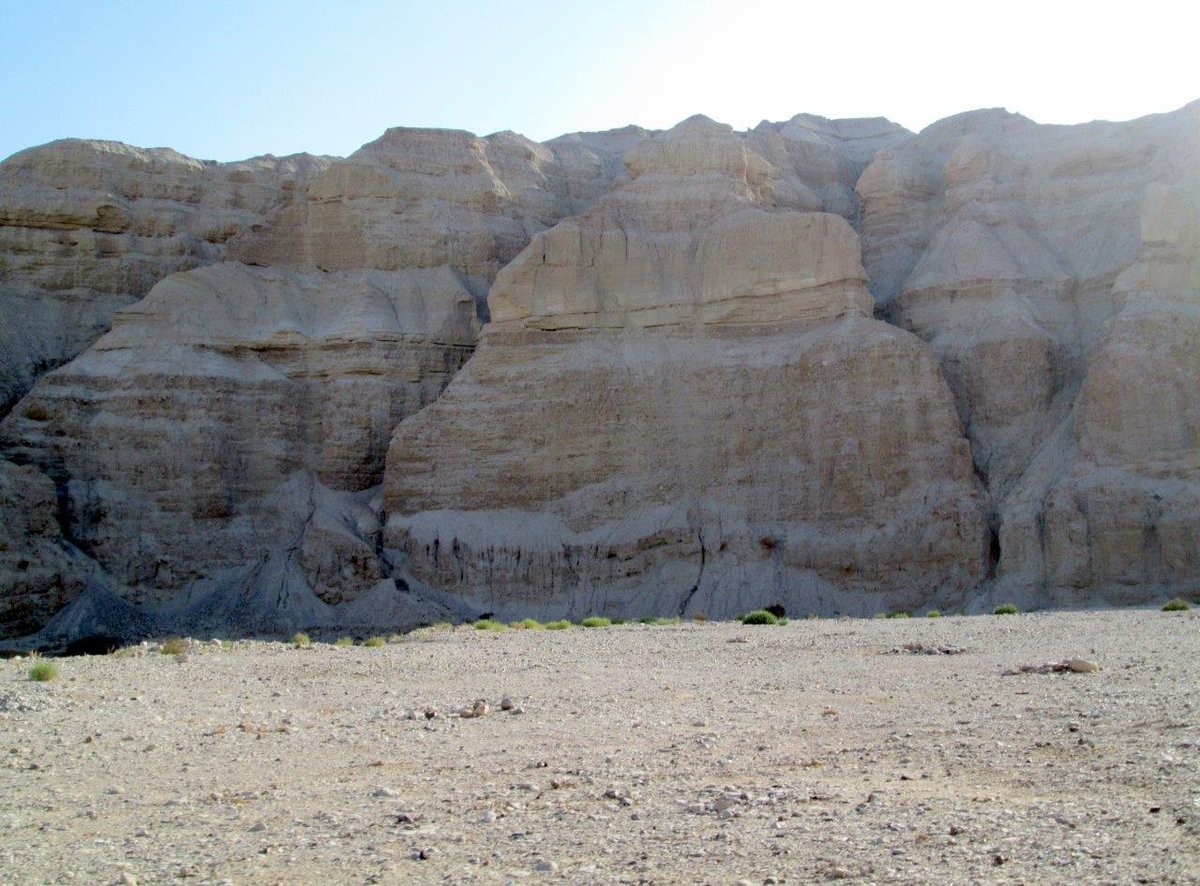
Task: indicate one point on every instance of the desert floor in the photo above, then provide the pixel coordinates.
(692, 753)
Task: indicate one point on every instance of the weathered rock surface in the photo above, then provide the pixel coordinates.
(687, 398)
(683, 404)
(174, 433)
(423, 198)
(88, 227)
(1013, 249)
(41, 573)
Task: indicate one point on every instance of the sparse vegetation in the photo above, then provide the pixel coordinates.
(933, 613)
(343, 642)
(301, 640)
(782, 620)
(43, 671)
(759, 617)
(898, 615)
(1006, 609)
(528, 624)
(375, 642)
(699, 617)
(1176, 605)
(490, 624)
(659, 620)
(561, 625)
(174, 646)
(596, 621)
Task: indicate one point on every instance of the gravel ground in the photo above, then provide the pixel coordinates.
(694, 753)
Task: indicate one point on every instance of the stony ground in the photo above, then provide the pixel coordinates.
(696, 753)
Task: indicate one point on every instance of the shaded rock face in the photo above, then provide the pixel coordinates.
(88, 227)
(683, 404)
(41, 573)
(1061, 314)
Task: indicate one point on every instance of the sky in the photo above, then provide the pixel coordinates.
(228, 80)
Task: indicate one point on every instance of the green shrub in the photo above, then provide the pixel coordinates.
(375, 642)
(620, 621)
(933, 613)
(343, 642)
(1177, 605)
(528, 624)
(596, 621)
(561, 625)
(489, 624)
(43, 671)
(759, 617)
(1006, 609)
(174, 646)
(898, 615)
(301, 640)
(782, 621)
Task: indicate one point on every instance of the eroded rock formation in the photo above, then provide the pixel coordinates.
(828, 364)
(683, 404)
(88, 227)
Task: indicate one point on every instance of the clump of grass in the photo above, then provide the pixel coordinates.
(343, 642)
(301, 640)
(375, 642)
(933, 613)
(880, 615)
(898, 615)
(620, 621)
(699, 617)
(489, 624)
(561, 625)
(528, 624)
(1176, 605)
(1006, 609)
(596, 621)
(813, 616)
(43, 671)
(659, 620)
(174, 646)
(781, 620)
(759, 617)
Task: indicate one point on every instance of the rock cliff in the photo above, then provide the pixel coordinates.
(1022, 254)
(87, 227)
(683, 404)
(828, 364)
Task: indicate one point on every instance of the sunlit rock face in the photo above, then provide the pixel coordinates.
(88, 227)
(822, 363)
(683, 404)
(1052, 270)
(220, 444)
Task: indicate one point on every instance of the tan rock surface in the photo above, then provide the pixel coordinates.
(683, 404)
(176, 433)
(87, 227)
(1017, 251)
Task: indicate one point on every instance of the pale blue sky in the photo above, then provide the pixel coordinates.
(226, 80)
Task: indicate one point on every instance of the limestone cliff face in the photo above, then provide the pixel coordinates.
(683, 404)
(41, 573)
(423, 198)
(822, 363)
(222, 440)
(1060, 314)
(174, 428)
(87, 227)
